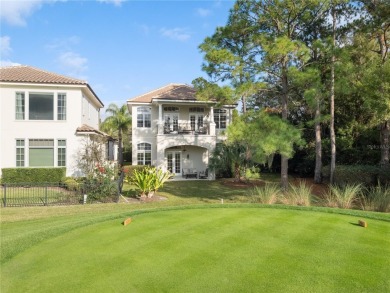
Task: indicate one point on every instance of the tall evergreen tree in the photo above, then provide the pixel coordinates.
(376, 24)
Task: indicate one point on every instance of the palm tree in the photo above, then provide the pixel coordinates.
(116, 124)
(226, 156)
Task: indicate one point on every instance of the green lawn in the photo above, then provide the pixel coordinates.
(192, 243)
(240, 249)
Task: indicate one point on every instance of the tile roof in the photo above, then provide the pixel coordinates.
(169, 92)
(29, 74)
(88, 129)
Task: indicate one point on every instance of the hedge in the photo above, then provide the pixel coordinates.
(365, 174)
(32, 175)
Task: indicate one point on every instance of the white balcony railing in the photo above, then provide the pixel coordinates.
(186, 128)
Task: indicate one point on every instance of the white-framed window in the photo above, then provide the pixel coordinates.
(144, 153)
(20, 147)
(61, 153)
(171, 122)
(197, 110)
(196, 121)
(196, 118)
(171, 109)
(61, 106)
(144, 117)
(20, 106)
(41, 152)
(40, 106)
(220, 118)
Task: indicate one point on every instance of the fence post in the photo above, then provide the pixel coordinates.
(5, 195)
(46, 194)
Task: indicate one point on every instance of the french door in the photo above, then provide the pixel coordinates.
(171, 121)
(196, 121)
(174, 162)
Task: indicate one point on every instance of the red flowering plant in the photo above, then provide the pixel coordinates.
(103, 181)
(100, 175)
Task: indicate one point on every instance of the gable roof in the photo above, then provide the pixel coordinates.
(29, 74)
(182, 92)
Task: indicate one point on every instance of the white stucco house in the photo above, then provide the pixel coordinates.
(44, 118)
(175, 131)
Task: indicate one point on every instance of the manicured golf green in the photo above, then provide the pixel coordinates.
(210, 250)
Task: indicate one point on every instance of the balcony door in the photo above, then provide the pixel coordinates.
(174, 162)
(196, 121)
(171, 122)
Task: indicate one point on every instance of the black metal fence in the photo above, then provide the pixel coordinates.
(45, 194)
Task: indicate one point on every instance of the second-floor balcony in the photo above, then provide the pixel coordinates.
(190, 128)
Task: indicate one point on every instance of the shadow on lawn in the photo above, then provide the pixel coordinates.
(213, 191)
(203, 190)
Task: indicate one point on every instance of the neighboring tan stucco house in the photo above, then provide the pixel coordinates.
(44, 118)
(175, 131)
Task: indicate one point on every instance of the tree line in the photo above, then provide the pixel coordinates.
(312, 78)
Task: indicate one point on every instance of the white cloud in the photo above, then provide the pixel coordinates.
(63, 43)
(5, 51)
(203, 12)
(6, 63)
(178, 34)
(115, 2)
(5, 46)
(16, 12)
(73, 62)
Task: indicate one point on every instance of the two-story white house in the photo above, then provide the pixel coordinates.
(175, 131)
(44, 117)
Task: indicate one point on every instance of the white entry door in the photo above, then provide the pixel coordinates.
(174, 162)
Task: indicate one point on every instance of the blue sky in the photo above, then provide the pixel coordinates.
(122, 48)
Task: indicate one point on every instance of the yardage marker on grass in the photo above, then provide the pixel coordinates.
(363, 223)
(126, 222)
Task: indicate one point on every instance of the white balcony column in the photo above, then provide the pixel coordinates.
(212, 123)
(228, 117)
(160, 123)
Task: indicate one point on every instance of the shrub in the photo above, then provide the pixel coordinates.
(71, 183)
(343, 196)
(267, 194)
(160, 178)
(148, 180)
(252, 173)
(101, 182)
(384, 175)
(129, 170)
(354, 174)
(377, 199)
(298, 195)
(32, 175)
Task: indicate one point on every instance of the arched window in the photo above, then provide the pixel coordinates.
(144, 154)
(143, 117)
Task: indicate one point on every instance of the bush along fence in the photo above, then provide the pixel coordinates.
(45, 194)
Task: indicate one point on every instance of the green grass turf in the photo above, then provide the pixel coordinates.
(207, 250)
